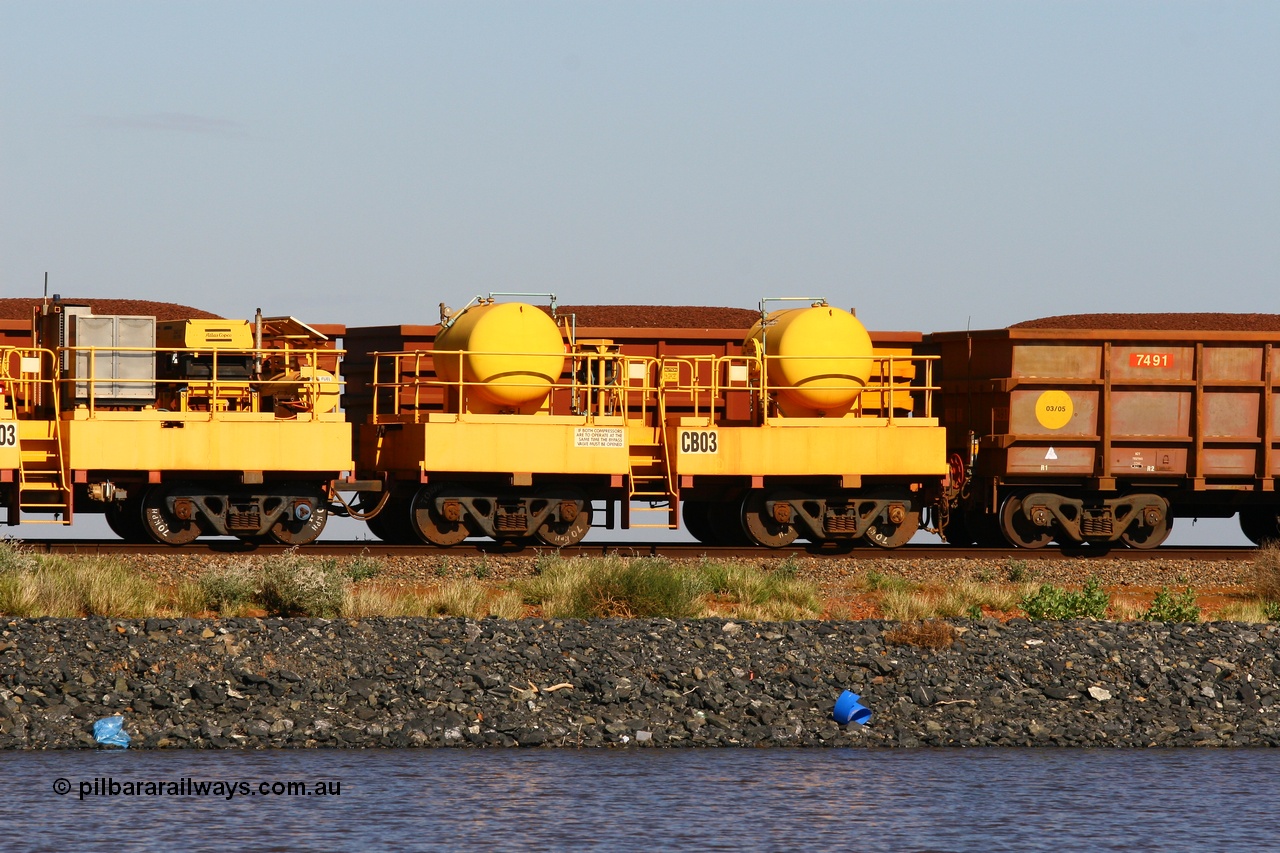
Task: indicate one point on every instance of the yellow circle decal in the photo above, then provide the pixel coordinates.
(1054, 409)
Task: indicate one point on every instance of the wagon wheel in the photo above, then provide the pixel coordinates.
(1018, 529)
(697, 520)
(725, 518)
(761, 526)
(125, 520)
(884, 533)
(1260, 524)
(160, 522)
(289, 529)
(559, 533)
(1146, 537)
(429, 524)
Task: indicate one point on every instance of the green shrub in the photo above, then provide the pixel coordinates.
(364, 567)
(1053, 602)
(1173, 607)
(1271, 609)
(788, 568)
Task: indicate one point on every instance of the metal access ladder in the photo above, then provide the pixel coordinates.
(42, 474)
(651, 482)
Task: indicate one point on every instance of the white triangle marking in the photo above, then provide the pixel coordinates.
(1051, 454)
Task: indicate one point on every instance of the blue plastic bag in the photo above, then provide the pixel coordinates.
(110, 731)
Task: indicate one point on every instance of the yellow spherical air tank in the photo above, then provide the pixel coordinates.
(509, 355)
(819, 359)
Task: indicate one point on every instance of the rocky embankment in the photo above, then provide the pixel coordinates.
(452, 682)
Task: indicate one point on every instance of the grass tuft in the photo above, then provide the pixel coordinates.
(926, 634)
(587, 588)
(1266, 572)
(32, 585)
(294, 585)
(1243, 611)
(964, 599)
(227, 590)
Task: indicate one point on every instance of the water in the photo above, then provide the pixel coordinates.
(955, 800)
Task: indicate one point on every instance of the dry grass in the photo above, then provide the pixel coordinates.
(35, 586)
(1266, 572)
(1242, 611)
(591, 588)
(926, 634)
(747, 592)
(463, 597)
(1122, 610)
(364, 601)
(965, 599)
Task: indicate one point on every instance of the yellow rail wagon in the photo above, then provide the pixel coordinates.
(173, 429)
(506, 422)
(812, 433)
(505, 428)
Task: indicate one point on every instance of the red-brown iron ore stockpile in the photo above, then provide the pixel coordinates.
(20, 308)
(660, 316)
(1172, 322)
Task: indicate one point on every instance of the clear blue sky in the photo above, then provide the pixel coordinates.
(931, 164)
(926, 163)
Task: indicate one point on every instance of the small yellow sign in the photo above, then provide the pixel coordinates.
(1054, 409)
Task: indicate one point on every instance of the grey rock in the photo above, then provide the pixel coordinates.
(467, 683)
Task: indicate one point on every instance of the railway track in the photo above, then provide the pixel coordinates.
(673, 550)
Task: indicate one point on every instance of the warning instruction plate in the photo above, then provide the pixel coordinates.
(599, 437)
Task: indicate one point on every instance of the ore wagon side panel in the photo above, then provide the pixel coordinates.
(1188, 414)
(1137, 405)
